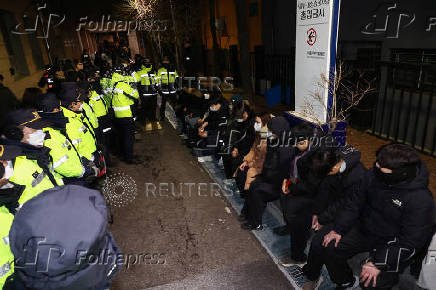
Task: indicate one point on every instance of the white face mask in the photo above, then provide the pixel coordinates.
(257, 127)
(213, 109)
(37, 138)
(9, 170)
(239, 120)
(206, 96)
(80, 108)
(343, 167)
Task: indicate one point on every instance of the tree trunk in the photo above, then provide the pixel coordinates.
(177, 44)
(217, 70)
(244, 48)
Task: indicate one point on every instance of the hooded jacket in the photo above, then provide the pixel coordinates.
(399, 217)
(278, 155)
(217, 120)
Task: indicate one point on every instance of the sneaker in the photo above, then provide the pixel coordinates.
(350, 285)
(288, 262)
(281, 231)
(249, 227)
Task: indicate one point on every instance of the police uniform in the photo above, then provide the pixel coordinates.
(6, 256)
(123, 99)
(148, 94)
(167, 85)
(65, 158)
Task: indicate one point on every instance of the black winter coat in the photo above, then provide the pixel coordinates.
(336, 190)
(400, 217)
(278, 156)
(217, 120)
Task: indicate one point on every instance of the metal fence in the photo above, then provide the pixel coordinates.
(274, 70)
(405, 110)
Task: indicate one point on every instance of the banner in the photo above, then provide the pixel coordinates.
(315, 56)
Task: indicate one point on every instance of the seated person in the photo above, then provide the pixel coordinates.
(266, 187)
(252, 164)
(195, 112)
(298, 199)
(214, 125)
(391, 217)
(239, 137)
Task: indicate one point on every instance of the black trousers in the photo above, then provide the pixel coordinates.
(261, 192)
(149, 105)
(231, 164)
(241, 179)
(125, 132)
(297, 211)
(335, 258)
(163, 106)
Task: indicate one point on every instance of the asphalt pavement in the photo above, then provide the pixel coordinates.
(178, 232)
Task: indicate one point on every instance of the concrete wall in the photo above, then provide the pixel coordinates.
(18, 85)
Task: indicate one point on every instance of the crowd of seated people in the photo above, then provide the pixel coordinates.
(323, 189)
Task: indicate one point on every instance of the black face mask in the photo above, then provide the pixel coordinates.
(397, 176)
(9, 197)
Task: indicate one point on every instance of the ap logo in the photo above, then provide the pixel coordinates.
(388, 20)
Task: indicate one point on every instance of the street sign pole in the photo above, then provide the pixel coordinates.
(315, 56)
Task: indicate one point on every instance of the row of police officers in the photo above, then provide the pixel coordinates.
(66, 139)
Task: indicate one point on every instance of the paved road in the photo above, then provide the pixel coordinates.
(196, 242)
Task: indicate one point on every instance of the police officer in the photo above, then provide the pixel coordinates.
(9, 195)
(32, 170)
(148, 94)
(166, 79)
(101, 110)
(66, 158)
(123, 99)
(78, 127)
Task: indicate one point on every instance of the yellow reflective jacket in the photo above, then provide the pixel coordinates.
(6, 256)
(98, 104)
(80, 133)
(123, 97)
(28, 174)
(66, 160)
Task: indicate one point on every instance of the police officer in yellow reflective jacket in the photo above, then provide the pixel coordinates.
(148, 93)
(67, 160)
(87, 111)
(33, 169)
(105, 83)
(9, 194)
(123, 99)
(167, 82)
(6, 256)
(78, 128)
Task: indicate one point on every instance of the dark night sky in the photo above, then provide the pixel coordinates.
(81, 8)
